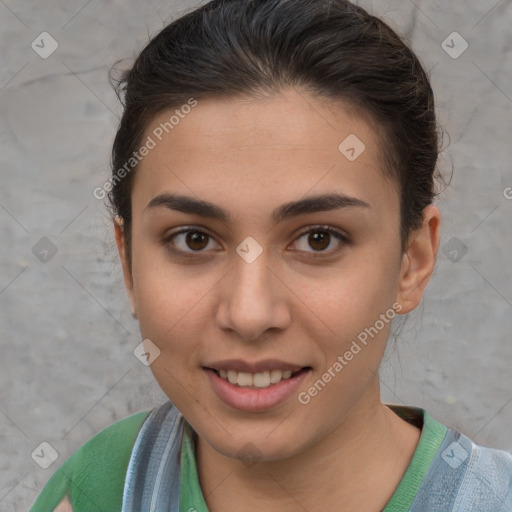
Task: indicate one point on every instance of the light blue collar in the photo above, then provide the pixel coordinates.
(153, 477)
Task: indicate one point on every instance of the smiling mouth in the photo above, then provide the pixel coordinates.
(259, 380)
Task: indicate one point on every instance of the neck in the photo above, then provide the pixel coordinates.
(370, 450)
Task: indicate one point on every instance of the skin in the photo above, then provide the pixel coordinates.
(250, 156)
(64, 506)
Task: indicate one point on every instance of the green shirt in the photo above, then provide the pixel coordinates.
(93, 477)
(433, 432)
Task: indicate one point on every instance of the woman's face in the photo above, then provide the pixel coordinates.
(263, 286)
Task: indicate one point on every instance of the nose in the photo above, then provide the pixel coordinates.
(253, 300)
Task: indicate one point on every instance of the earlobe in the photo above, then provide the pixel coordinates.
(419, 260)
(127, 273)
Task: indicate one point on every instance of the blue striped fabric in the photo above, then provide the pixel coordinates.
(153, 477)
(461, 477)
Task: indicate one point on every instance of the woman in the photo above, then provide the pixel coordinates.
(272, 196)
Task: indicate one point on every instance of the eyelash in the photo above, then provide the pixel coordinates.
(311, 229)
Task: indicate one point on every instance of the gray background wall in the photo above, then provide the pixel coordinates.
(66, 332)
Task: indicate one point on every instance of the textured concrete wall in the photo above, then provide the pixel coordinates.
(66, 332)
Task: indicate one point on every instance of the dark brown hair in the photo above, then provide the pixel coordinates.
(330, 48)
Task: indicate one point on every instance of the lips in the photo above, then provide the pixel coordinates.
(255, 386)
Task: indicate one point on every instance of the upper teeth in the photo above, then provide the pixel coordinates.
(259, 380)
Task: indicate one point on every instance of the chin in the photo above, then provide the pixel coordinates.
(255, 445)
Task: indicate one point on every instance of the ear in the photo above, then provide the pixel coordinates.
(419, 260)
(127, 273)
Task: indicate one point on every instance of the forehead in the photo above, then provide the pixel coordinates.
(271, 148)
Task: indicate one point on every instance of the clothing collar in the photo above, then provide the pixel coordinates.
(153, 482)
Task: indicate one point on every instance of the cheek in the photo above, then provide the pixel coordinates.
(172, 315)
(165, 292)
(351, 325)
(166, 304)
(353, 297)
(170, 310)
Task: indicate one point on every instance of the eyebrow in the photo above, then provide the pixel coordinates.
(311, 204)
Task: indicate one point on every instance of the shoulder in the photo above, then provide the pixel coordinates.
(93, 477)
(488, 480)
(120, 435)
(466, 477)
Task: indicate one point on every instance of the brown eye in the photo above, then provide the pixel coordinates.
(188, 241)
(319, 239)
(196, 240)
